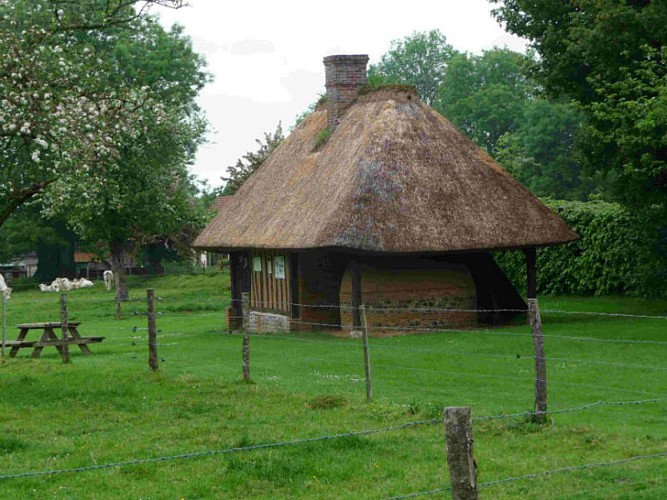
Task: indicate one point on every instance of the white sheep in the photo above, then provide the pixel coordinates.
(82, 283)
(64, 284)
(46, 288)
(6, 291)
(108, 279)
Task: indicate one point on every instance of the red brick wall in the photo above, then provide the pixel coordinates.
(344, 75)
(447, 286)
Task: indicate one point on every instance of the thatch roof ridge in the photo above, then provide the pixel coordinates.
(394, 177)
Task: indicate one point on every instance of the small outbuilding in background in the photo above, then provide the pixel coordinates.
(375, 198)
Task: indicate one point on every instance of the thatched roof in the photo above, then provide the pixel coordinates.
(394, 177)
(220, 202)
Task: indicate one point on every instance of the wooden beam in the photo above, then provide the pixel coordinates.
(356, 295)
(531, 271)
(294, 284)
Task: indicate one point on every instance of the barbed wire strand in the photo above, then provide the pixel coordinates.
(207, 453)
(377, 345)
(371, 308)
(341, 327)
(550, 381)
(364, 432)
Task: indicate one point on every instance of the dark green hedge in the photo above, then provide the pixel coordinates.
(618, 253)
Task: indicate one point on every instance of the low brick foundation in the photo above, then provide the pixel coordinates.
(261, 322)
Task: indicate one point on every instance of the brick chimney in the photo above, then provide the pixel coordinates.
(344, 75)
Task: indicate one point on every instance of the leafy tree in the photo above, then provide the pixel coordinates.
(59, 116)
(146, 194)
(485, 96)
(252, 160)
(491, 98)
(420, 59)
(543, 152)
(28, 231)
(608, 55)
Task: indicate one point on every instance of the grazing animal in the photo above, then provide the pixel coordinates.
(6, 291)
(63, 284)
(108, 279)
(82, 283)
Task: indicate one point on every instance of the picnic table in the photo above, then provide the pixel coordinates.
(50, 339)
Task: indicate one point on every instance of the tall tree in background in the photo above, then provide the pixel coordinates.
(251, 161)
(146, 192)
(544, 153)
(59, 115)
(420, 59)
(485, 96)
(610, 56)
(493, 100)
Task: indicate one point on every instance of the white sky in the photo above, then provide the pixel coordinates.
(266, 56)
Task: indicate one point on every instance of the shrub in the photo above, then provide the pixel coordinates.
(322, 137)
(617, 253)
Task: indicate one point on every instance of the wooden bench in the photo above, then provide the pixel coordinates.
(50, 339)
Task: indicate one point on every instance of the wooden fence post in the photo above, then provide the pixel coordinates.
(367, 360)
(460, 459)
(540, 362)
(245, 304)
(246, 356)
(245, 310)
(152, 330)
(63, 327)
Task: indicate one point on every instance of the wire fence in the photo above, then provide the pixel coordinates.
(173, 308)
(330, 437)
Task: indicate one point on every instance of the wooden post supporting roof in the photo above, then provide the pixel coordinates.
(294, 285)
(356, 295)
(531, 270)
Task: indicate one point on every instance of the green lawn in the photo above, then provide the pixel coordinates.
(108, 407)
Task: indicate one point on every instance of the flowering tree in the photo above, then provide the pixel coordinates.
(99, 119)
(62, 106)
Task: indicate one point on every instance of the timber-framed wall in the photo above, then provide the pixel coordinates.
(270, 281)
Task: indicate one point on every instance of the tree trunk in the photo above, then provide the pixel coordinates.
(118, 248)
(156, 266)
(155, 253)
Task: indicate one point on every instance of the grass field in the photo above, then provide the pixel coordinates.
(108, 407)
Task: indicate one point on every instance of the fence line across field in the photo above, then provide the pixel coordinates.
(79, 299)
(365, 432)
(551, 381)
(351, 307)
(383, 365)
(207, 453)
(447, 309)
(389, 377)
(483, 332)
(378, 345)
